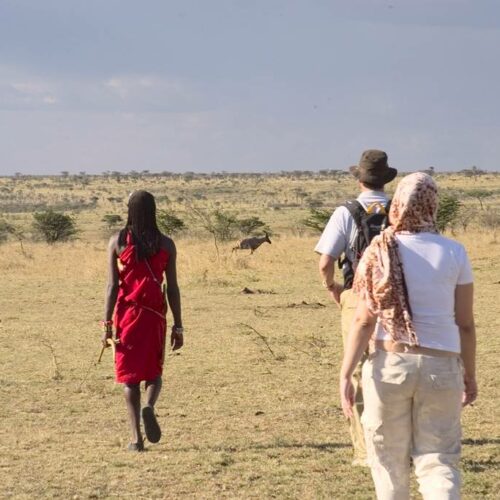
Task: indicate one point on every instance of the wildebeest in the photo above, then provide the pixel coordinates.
(252, 243)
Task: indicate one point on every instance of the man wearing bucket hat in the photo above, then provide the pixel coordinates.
(348, 232)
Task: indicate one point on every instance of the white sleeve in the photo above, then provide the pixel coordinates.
(465, 271)
(334, 239)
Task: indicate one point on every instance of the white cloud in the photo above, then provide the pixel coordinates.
(134, 86)
(49, 99)
(118, 86)
(118, 93)
(23, 93)
(28, 87)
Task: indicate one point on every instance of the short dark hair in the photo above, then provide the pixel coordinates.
(373, 186)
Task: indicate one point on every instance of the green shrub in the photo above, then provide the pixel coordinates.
(479, 195)
(112, 220)
(448, 210)
(224, 225)
(169, 223)
(251, 225)
(490, 220)
(6, 229)
(317, 219)
(53, 226)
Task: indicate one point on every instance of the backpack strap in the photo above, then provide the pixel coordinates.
(355, 209)
(357, 212)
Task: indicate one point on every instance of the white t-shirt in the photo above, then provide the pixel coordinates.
(433, 266)
(341, 231)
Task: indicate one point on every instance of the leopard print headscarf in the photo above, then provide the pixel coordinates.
(379, 277)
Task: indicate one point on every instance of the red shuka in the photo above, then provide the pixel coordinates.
(140, 317)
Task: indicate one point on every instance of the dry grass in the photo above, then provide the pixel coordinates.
(250, 406)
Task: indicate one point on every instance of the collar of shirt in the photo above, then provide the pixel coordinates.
(372, 194)
(368, 197)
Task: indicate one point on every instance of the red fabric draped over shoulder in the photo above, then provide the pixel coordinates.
(140, 317)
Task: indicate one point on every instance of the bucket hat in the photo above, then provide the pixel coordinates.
(373, 168)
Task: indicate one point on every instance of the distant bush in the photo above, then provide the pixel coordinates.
(490, 219)
(53, 226)
(224, 225)
(112, 220)
(314, 203)
(317, 219)
(169, 223)
(162, 198)
(448, 211)
(299, 193)
(479, 195)
(251, 225)
(466, 215)
(114, 199)
(6, 229)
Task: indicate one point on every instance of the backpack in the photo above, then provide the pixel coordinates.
(369, 222)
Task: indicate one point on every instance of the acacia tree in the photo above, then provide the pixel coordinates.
(252, 225)
(112, 220)
(465, 216)
(491, 220)
(317, 219)
(53, 226)
(479, 195)
(206, 220)
(169, 223)
(448, 210)
(224, 226)
(6, 229)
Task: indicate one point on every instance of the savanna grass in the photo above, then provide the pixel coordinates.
(250, 406)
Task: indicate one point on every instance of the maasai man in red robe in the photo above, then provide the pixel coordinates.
(139, 257)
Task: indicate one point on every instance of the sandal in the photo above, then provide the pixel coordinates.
(139, 446)
(151, 427)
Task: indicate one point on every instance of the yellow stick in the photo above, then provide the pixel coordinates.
(113, 345)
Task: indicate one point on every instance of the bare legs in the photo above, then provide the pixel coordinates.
(153, 388)
(133, 400)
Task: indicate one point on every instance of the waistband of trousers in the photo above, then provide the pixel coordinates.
(390, 346)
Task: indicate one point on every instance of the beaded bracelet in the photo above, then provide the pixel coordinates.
(107, 325)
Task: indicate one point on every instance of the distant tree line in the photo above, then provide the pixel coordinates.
(84, 178)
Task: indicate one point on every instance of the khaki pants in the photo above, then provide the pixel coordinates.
(412, 409)
(348, 303)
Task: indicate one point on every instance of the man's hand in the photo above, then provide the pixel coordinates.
(335, 290)
(176, 339)
(107, 334)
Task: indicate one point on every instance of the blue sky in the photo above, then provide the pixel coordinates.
(242, 85)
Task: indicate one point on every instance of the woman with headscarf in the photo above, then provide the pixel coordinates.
(416, 293)
(139, 257)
